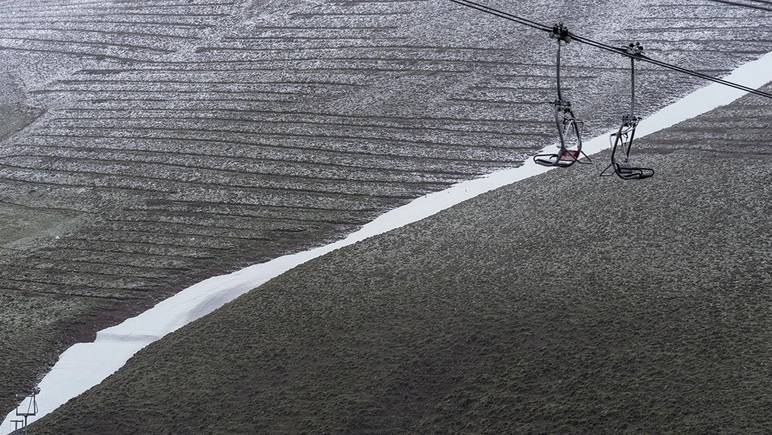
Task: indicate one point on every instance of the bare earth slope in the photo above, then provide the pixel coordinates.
(160, 143)
(564, 303)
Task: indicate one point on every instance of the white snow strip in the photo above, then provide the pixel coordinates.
(86, 364)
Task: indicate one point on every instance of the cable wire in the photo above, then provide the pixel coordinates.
(610, 48)
(676, 68)
(745, 5)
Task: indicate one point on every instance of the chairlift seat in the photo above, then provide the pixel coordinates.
(629, 172)
(562, 160)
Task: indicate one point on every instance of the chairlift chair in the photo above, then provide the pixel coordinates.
(569, 128)
(31, 409)
(622, 140)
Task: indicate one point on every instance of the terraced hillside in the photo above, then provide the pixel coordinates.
(496, 316)
(160, 143)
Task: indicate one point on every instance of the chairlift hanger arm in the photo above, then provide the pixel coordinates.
(609, 48)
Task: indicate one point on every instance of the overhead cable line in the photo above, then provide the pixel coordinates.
(610, 48)
(676, 68)
(746, 5)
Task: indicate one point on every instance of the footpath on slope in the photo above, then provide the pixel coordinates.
(562, 303)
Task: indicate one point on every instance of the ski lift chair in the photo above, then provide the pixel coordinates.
(622, 140)
(569, 128)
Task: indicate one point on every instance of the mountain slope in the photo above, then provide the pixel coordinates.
(563, 303)
(166, 142)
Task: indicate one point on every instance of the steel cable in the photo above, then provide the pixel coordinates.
(610, 48)
(745, 5)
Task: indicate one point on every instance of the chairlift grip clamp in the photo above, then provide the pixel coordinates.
(634, 49)
(561, 33)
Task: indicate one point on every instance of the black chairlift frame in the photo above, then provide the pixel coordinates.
(622, 140)
(25, 414)
(565, 119)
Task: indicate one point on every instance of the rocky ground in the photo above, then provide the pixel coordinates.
(566, 303)
(147, 147)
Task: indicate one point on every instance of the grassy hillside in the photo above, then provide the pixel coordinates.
(563, 303)
(156, 144)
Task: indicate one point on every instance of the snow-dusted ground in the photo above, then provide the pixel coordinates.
(87, 364)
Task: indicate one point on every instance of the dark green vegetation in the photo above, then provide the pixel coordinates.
(564, 303)
(174, 141)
